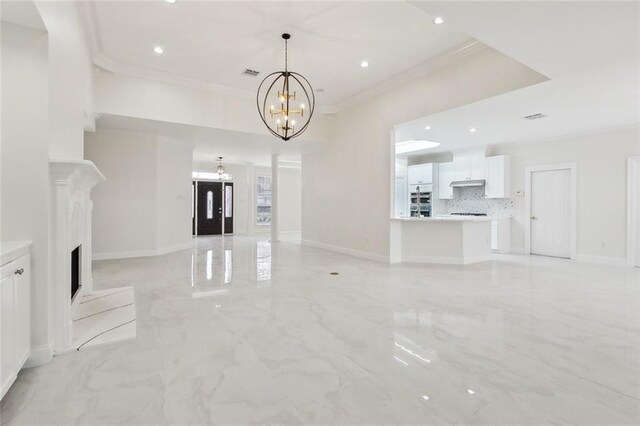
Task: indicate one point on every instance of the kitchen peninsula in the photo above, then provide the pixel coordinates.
(454, 240)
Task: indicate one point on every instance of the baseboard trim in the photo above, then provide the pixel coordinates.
(445, 260)
(142, 253)
(40, 355)
(346, 250)
(601, 260)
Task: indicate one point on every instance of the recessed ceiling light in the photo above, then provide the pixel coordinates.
(438, 20)
(364, 64)
(159, 50)
(170, 1)
(411, 145)
(473, 130)
(427, 127)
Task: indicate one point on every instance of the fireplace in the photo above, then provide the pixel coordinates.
(71, 183)
(75, 271)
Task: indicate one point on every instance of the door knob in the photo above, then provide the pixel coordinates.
(19, 271)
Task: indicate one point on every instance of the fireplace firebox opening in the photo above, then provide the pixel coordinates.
(75, 271)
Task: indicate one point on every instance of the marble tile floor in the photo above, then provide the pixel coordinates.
(104, 317)
(239, 332)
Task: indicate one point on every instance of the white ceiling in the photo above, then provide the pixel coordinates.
(214, 41)
(589, 50)
(209, 143)
(21, 13)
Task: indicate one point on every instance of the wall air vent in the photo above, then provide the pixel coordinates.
(250, 73)
(536, 116)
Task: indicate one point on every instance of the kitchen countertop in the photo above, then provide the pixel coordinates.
(11, 250)
(450, 218)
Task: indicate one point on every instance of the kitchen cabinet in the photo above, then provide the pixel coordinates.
(445, 176)
(469, 165)
(15, 319)
(420, 174)
(498, 181)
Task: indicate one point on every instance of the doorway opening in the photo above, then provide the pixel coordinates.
(212, 208)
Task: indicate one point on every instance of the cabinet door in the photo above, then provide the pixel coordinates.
(415, 175)
(23, 309)
(445, 176)
(478, 166)
(7, 327)
(498, 176)
(427, 173)
(462, 166)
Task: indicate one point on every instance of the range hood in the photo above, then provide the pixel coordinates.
(465, 183)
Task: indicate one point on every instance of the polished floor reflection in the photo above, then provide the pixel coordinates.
(237, 331)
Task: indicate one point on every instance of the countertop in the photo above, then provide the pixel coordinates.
(451, 218)
(11, 250)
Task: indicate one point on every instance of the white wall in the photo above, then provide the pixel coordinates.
(352, 177)
(173, 192)
(146, 98)
(290, 199)
(71, 77)
(24, 164)
(602, 186)
(144, 207)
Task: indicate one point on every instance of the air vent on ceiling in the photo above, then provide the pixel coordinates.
(250, 73)
(536, 116)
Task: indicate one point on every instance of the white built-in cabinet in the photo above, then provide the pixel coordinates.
(469, 165)
(15, 324)
(421, 174)
(498, 178)
(445, 177)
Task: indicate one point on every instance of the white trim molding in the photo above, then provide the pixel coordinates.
(41, 355)
(573, 168)
(347, 251)
(633, 208)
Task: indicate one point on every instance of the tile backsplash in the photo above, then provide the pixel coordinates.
(472, 200)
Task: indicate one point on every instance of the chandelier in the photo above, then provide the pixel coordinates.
(285, 101)
(220, 170)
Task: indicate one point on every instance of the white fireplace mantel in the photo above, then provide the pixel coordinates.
(71, 209)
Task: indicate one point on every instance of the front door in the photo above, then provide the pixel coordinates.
(209, 208)
(551, 213)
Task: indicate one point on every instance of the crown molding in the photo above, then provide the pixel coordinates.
(105, 62)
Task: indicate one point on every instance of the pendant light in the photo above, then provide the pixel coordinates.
(285, 101)
(220, 169)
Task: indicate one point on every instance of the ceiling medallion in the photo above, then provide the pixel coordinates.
(285, 101)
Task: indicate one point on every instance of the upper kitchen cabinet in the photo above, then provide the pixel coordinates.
(498, 184)
(445, 176)
(421, 174)
(469, 165)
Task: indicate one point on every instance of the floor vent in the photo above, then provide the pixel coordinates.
(534, 116)
(250, 73)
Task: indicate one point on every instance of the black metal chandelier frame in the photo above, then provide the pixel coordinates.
(287, 129)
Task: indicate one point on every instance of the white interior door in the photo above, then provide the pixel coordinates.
(551, 213)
